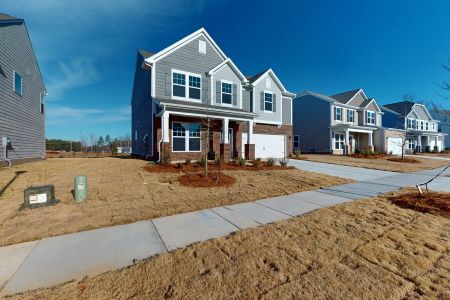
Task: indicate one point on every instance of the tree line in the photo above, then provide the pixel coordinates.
(89, 144)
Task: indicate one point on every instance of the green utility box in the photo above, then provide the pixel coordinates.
(37, 196)
(80, 188)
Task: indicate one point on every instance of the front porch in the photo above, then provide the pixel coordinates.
(349, 140)
(425, 142)
(182, 136)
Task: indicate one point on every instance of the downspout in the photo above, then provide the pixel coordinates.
(5, 156)
(162, 137)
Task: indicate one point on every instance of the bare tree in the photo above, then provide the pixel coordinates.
(92, 140)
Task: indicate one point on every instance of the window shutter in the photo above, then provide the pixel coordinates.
(274, 102)
(168, 84)
(262, 100)
(234, 94)
(218, 92)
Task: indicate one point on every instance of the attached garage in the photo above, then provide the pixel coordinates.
(394, 145)
(267, 145)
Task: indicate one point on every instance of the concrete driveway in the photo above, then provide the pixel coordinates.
(355, 173)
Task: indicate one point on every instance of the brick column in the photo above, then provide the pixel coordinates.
(225, 151)
(370, 149)
(165, 151)
(250, 151)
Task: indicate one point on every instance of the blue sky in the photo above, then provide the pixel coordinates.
(87, 49)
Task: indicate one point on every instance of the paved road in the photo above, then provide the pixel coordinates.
(59, 259)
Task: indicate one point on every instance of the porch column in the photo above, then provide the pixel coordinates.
(250, 147)
(436, 143)
(370, 139)
(347, 142)
(165, 127)
(419, 143)
(225, 131)
(225, 150)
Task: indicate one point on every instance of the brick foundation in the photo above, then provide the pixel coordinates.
(225, 151)
(250, 151)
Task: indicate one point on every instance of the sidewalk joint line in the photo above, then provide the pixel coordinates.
(275, 210)
(159, 235)
(226, 219)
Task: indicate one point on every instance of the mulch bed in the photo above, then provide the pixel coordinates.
(371, 156)
(194, 167)
(404, 160)
(433, 203)
(214, 179)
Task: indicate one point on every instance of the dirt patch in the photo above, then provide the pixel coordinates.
(433, 203)
(120, 191)
(404, 160)
(357, 250)
(379, 164)
(213, 179)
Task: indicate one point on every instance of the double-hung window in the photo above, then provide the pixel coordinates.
(296, 142)
(178, 85)
(186, 137)
(350, 116)
(426, 125)
(190, 90)
(17, 83)
(411, 143)
(371, 117)
(410, 123)
(339, 141)
(227, 93)
(421, 125)
(338, 113)
(268, 101)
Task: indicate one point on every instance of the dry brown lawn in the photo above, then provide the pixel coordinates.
(378, 163)
(121, 192)
(368, 249)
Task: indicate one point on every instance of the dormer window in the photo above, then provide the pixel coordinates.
(227, 93)
(338, 113)
(426, 125)
(371, 117)
(410, 123)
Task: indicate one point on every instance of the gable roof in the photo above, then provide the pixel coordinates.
(229, 62)
(403, 107)
(4, 18)
(145, 53)
(256, 78)
(320, 96)
(384, 108)
(345, 97)
(201, 32)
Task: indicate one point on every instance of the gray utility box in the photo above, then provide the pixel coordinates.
(37, 196)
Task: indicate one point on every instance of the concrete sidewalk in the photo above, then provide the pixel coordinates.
(59, 259)
(430, 156)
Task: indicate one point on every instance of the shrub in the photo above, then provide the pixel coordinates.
(241, 161)
(179, 165)
(202, 162)
(297, 153)
(165, 158)
(271, 161)
(187, 161)
(257, 163)
(283, 162)
(220, 161)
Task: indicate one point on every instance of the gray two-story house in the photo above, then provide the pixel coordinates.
(420, 128)
(340, 124)
(190, 89)
(22, 91)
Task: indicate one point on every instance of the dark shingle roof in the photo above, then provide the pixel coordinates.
(345, 96)
(255, 77)
(4, 18)
(402, 107)
(384, 108)
(145, 53)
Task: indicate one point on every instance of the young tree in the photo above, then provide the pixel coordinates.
(92, 140)
(100, 142)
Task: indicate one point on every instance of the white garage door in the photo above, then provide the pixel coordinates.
(395, 145)
(266, 145)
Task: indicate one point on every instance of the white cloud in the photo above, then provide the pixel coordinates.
(65, 115)
(69, 75)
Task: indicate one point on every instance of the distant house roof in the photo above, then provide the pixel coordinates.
(145, 53)
(255, 77)
(345, 96)
(384, 108)
(403, 107)
(4, 18)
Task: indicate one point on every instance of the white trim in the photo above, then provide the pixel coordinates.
(233, 67)
(367, 117)
(186, 87)
(222, 81)
(270, 93)
(170, 49)
(277, 81)
(426, 110)
(206, 115)
(373, 100)
(359, 91)
(215, 108)
(335, 114)
(266, 122)
(153, 82)
(187, 137)
(240, 94)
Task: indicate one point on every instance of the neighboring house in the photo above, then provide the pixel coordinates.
(340, 124)
(177, 90)
(22, 91)
(123, 150)
(443, 116)
(419, 126)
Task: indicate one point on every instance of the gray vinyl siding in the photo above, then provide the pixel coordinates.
(287, 111)
(142, 111)
(421, 113)
(379, 120)
(246, 100)
(226, 73)
(259, 89)
(20, 116)
(311, 122)
(188, 59)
